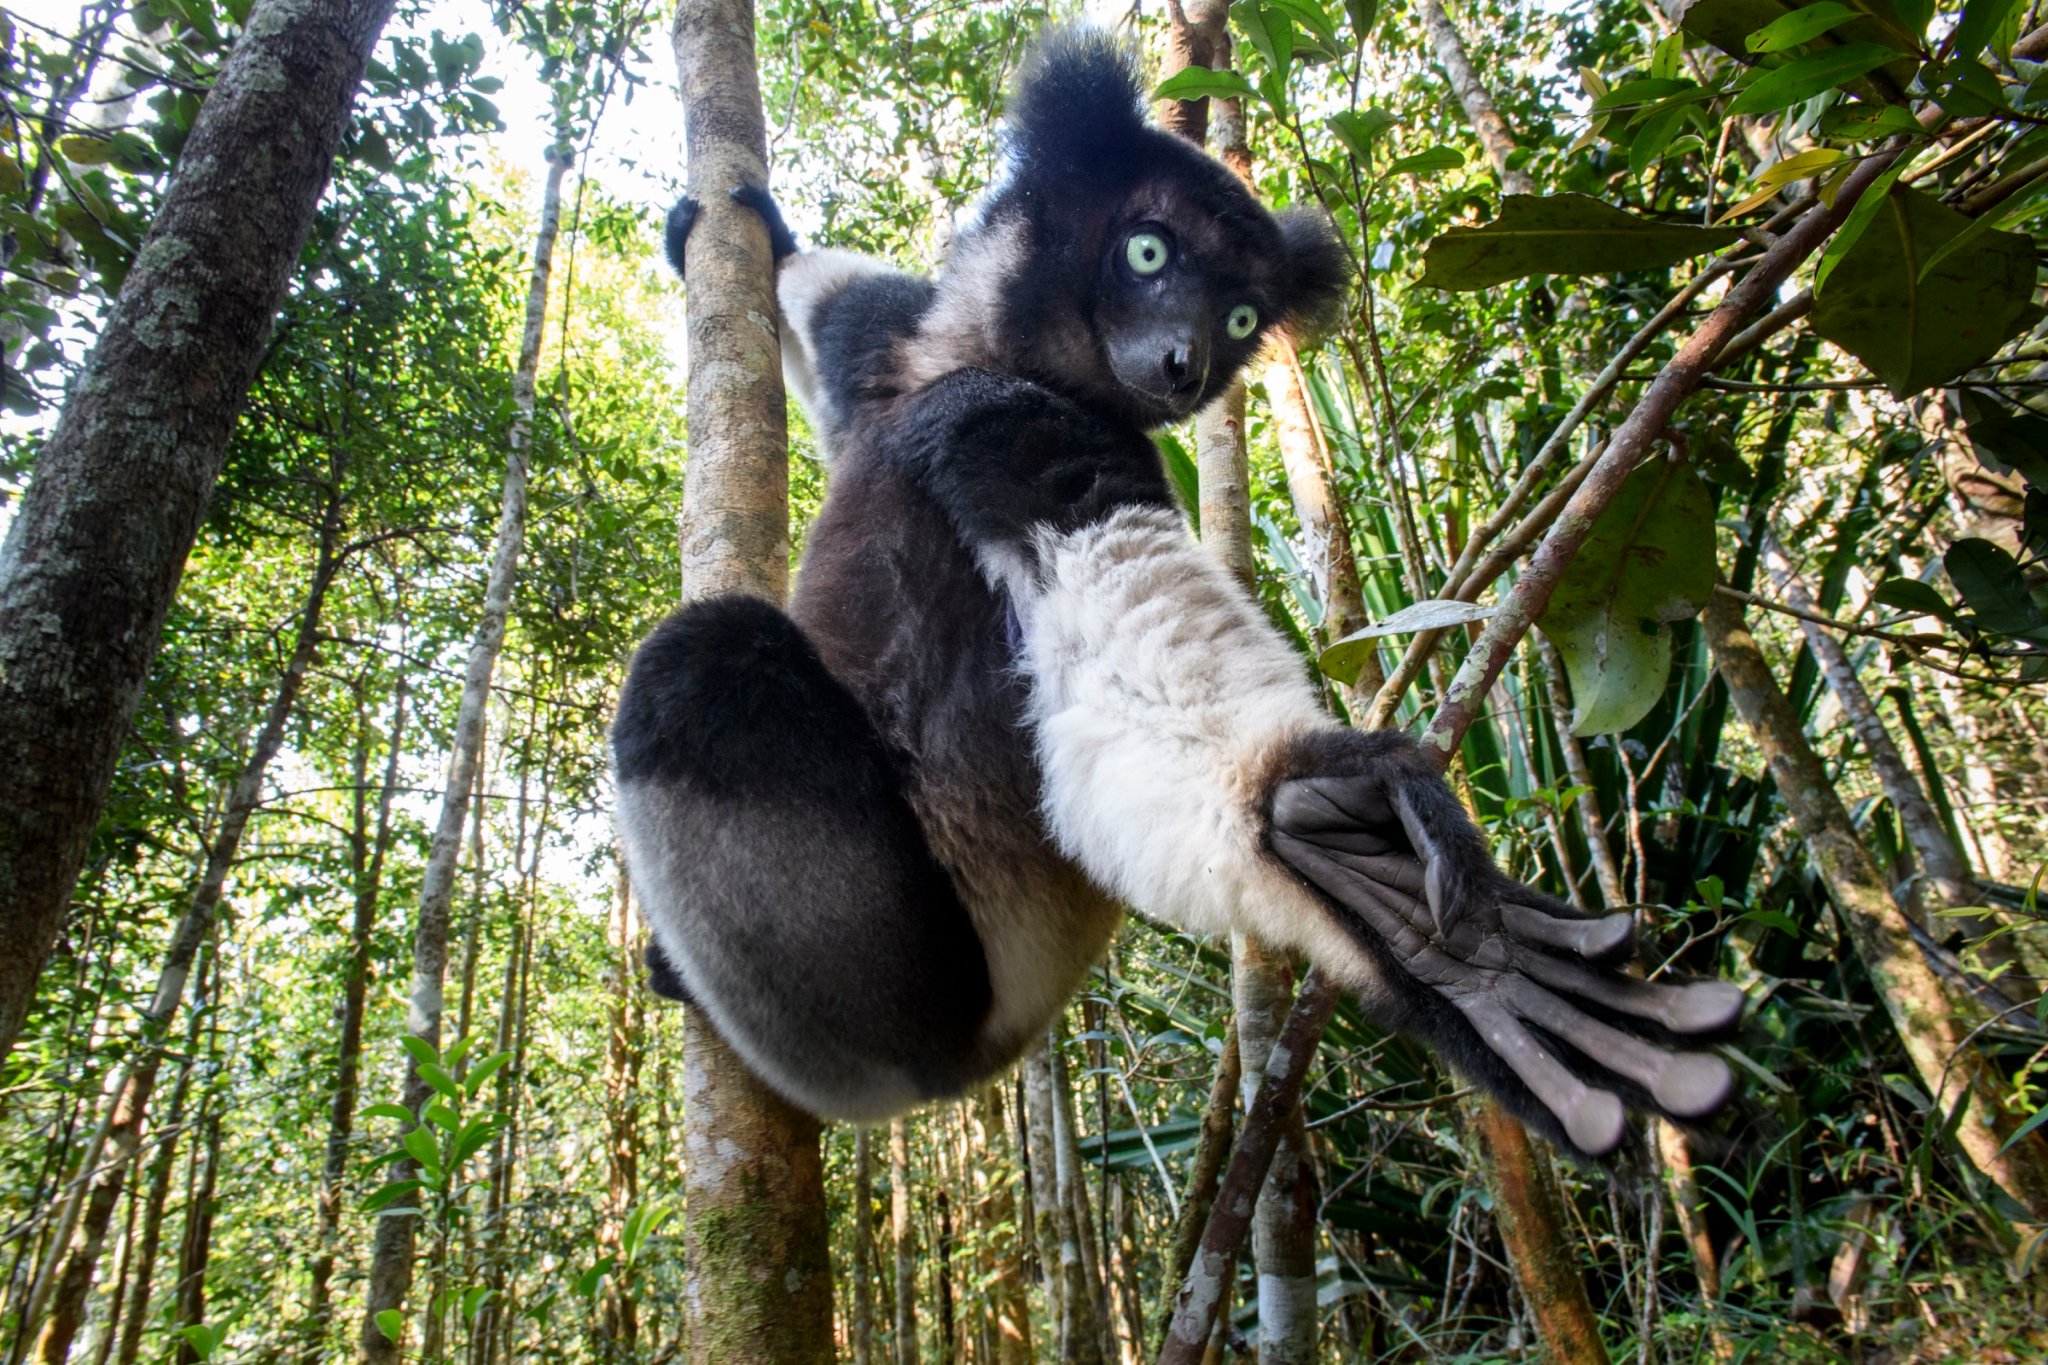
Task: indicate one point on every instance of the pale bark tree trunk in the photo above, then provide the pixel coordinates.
(1592, 820)
(1045, 1200)
(93, 558)
(1473, 96)
(391, 1252)
(943, 1290)
(863, 1329)
(1081, 1295)
(367, 850)
(1325, 528)
(1008, 1309)
(903, 1238)
(760, 1280)
(1934, 1026)
(1283, 1224)
(122, 1128)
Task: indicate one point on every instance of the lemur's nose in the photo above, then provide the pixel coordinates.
(1182, 371)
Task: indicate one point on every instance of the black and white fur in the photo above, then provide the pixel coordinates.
(880, 838)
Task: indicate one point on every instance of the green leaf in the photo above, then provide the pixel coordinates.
(1428, 162)
(422, 1148)
(2025, 206)
(419, 1049)
(388, 1194)
(1910, 594)
(1648, 562)
(2014, 437)
(1271, 33)
(1363, 15)
(484, 1070)
(441, 1116)
(1800, 26)
(1562, 234)
(1808, 76)
(2019, 1134)
(389, 1111)
(1981, 19)
(204, 1341)
(1200, 83)
(1346, 658)
(85, 150)
(391, 1323)
(436, 1075)
(1991, 583)
(1917, 331)
(1668, 57)
(471, 1139)
(1359, 129)
(473, 1300)
(1315, 20)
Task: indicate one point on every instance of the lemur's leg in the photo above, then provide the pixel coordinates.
(675, 234)
(1190, 770)
(786, 882)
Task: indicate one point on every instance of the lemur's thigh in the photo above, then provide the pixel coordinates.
(789, 888)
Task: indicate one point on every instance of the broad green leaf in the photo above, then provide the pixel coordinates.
(1359, 129)
(1910, 594)
(1648, 562)
(85, 150)
(1428, 162)
(1200, 83)
(1808, 76)
(484, 1070)
(421, 1146)
(1271, 34)
(1917, 331)
(1346, 658)
(473, 1300)
(1668, 57)
(1562, 234)
(419, 1049)
(1728, 24)
(441, 1116)
(389, 1111)
(1859, 220)
(1315, 20)
(391, 1323)
(1990, 581)
(1363, 15)
(472, 1138)
(1981, 19)
(1800, 26)
(436, 1075)
(1641, 92)
(203, 1340)
(2009, 436)
(2023, 207)
(389, 1193)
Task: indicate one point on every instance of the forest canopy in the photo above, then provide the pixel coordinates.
(1677, 466)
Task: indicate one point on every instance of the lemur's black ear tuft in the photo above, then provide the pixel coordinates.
(1319, 273)
(1077, 100)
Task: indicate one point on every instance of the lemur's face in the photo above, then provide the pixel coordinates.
(1186, 290)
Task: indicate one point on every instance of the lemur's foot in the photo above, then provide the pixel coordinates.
(676, 236)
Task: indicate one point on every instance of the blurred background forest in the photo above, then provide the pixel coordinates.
(207, 1146)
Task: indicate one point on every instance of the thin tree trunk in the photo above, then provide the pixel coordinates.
(903, 1237)
(863, 1248)
(1045, 1200)
(163, 1168)
(1473, 95)
(1205, 1174)
(759, 1264)
(1540, 1247)
(117, 1296)
(123, 1126)
(1934, 1026)
(392, 1247)
(622, 1115)
(140, 443)
(1283, 1224)
(944, 1288)
(366, 858)
(1081, 1296)
(195, 1248)
(1942, 865)
(1592, 821)
(1009, 1308)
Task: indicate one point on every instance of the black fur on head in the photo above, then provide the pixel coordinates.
(1048, 272)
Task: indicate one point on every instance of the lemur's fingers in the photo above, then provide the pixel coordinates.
(1592, 1119)
(1682, 1007)
(1377, 813)
(1593, 939)
(781, 241)
(1686, 1084)
(676, 236)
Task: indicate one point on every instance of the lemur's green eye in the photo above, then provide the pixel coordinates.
(1146, 253)
(1242, 322)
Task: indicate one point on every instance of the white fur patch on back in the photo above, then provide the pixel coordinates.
(1161, 696)
(960, 331)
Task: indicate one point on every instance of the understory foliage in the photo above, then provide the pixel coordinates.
(1869, 458)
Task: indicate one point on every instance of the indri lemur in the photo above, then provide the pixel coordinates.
(879, 838)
